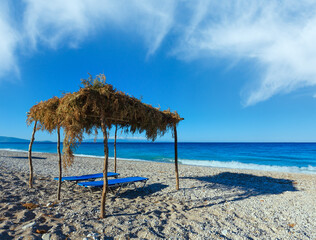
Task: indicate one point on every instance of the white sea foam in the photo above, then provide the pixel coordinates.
(249, 166)
(89, 156)
(12, 150)
(134, 159)
(111, 158)
(210, 163)
(232, 164)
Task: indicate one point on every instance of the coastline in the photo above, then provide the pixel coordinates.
(211, 203)
(309, 168)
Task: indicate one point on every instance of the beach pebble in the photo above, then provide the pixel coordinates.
(53, 236)
(46, 236)
(93, 235)
(30, 225)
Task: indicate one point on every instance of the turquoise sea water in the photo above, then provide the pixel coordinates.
(286, 157)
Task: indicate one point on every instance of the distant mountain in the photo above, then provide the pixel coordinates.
(12, 139)
(4, 139)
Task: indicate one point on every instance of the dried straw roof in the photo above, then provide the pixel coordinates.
(45, 114)
(82, 111)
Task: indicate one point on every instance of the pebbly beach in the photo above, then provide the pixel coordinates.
(212, 203)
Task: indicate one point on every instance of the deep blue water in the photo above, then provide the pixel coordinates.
(288, 157)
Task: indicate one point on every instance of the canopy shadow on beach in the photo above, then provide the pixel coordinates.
(142, 192)
(248, 185)
(131, 193)
(19, 157)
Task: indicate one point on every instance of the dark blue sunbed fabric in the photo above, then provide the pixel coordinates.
(113, 182)
(86, 177)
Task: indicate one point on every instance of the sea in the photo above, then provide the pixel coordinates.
(282, 157)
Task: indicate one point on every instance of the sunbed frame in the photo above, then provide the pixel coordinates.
(89, 177)
(116, 184)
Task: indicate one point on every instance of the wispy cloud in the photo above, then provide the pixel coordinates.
(51, 22)
(8, 42)
(59, 23)
(280, 36)
(277, 36)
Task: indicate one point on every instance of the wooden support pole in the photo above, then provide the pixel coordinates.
(176, 156)
(115, 135)
(30, 156)
(59, 163)
(105, 167)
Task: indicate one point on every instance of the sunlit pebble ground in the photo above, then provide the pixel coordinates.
(212, 203)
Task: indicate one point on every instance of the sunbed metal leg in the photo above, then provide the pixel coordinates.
(118, 191)
(115, 193)
(74, 183)
(144, 184)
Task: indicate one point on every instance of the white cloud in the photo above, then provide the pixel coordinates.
(8, 42)
(61, 23)
(51, 22)
(278, 36)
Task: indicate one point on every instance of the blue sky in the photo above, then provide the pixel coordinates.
(241, 71)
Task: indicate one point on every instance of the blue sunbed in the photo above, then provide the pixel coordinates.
(115, 183)
(86, 177)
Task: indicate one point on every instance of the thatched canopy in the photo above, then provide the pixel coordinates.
(82, 111)
(46, 118)
(45, 113)
(98, 105)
